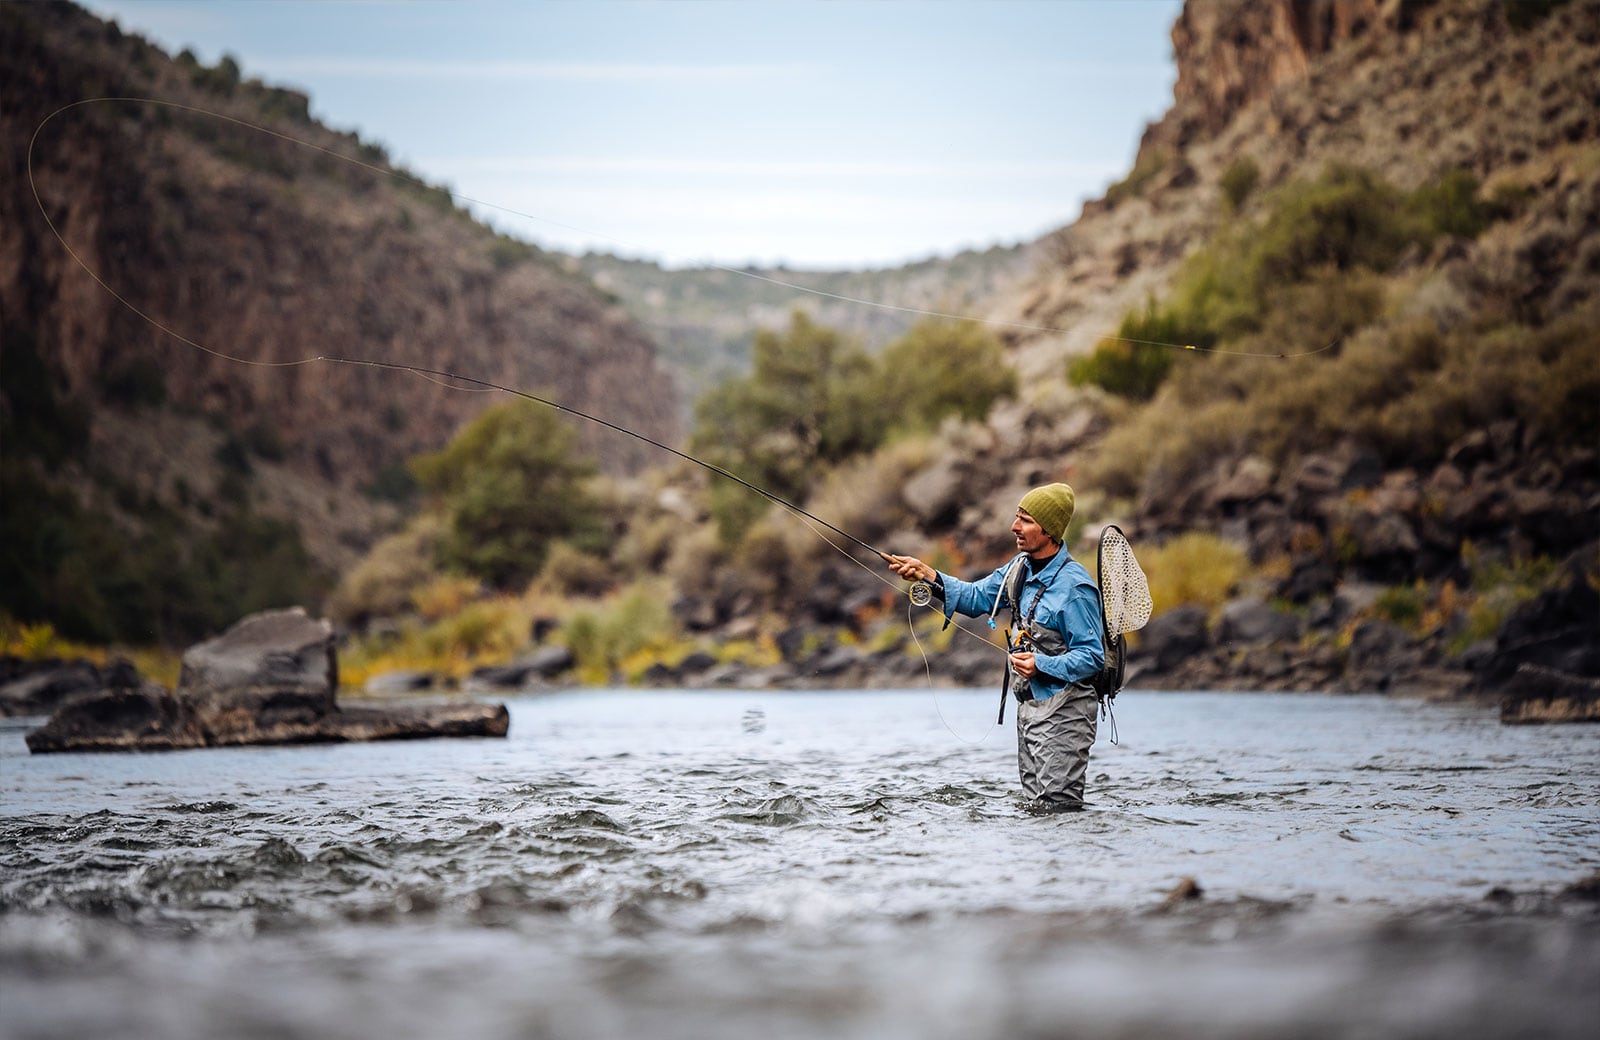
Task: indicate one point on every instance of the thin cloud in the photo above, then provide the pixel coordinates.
(501, 71)
(586, 166)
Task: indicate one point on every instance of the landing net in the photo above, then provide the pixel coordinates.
(1124, 592)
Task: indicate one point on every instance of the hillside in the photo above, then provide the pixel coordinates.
(1440, 432)
(703, 318)
(1379, 224)
(1406, 90)
(1376, 224)
(241, 227)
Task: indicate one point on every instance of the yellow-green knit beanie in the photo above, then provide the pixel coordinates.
(1052, 507)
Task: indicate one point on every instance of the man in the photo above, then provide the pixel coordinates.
(1056, 648)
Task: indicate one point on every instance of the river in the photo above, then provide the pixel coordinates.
(815, 864)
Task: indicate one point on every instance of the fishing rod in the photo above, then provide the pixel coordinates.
(608, 424)
(920, 593)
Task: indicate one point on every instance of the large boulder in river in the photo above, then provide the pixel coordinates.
(271, 679)
(272, 670)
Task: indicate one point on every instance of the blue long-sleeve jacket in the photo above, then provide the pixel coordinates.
(1069, 606)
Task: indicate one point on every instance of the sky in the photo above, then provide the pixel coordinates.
(833, 135)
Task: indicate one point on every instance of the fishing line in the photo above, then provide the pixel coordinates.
(394, 174)
(927, 668)
(456, 381)
(441, 377)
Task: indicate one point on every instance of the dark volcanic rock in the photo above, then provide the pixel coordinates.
(541, 665)
(146, 718)
(42, 691)
(1555, 631)
(274, 670)
(1537, 694)
(1171, 638)
(1252, 620)
(270, 679)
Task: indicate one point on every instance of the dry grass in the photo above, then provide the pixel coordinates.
(42, 642)
(1194, 568)
(485, 631)
(384, 582)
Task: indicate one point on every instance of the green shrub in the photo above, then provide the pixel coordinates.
(940, 368)
(1402, 605)
(808, 402)
(509, 484)
(1345, 219)
(1239, 180)
(1135, 361)
(1117, 366)
(385, 582)
(570, 571)
(1451, 206)
(601, 638)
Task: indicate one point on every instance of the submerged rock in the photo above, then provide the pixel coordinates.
(271, 679)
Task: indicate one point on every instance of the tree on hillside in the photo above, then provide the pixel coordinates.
(508, 485)
(809, 401)
(942, 368)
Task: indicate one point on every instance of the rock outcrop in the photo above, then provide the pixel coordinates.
(271, 679)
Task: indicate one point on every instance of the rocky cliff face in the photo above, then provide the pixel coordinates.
(1409, 92)
(214, 238)
(1230, 55)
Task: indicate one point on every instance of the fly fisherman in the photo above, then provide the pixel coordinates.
(1056, 648)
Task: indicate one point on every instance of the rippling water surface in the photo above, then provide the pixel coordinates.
(688, 864)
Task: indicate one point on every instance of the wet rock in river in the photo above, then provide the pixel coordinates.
(274, 670)
(271, 679)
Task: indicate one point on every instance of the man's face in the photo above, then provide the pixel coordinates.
(1031, 538)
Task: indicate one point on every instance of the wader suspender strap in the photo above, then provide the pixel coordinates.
(1025, 633)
